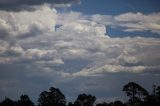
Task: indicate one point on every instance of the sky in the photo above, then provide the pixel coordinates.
(78, 46)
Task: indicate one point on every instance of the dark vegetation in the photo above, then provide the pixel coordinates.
(137, 96)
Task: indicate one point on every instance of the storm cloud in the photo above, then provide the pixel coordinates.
(19, 5)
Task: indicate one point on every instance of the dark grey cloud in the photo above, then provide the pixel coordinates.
(105, 87)
(17, 5)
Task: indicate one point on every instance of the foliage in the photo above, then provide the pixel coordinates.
(85, 100)
(52, 98)
(138, 96)
(24, 101)
(135, 92)
(7, 102)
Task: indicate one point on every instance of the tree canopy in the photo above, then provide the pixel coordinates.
(85, 100)
(138, 96)
(24, 101)
(53, 97)
(135, 92)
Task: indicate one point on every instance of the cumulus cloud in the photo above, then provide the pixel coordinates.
(80, 37)
(79, 52)
(3, 45)
(139, 22)
(38, 53)
(82, 26)
(26, 24)
(128, 22)
(19, 5)
(131, 22)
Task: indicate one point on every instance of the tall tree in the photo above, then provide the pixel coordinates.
(102, 104)
(135, 92)
(118, 103)
(158, 94)
(7, 102)
(85, 100)
(25, 101)
(70, 104)
(158, 91)
(52, 98)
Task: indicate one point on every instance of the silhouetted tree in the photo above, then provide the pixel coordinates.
(154, 90)
(135, 92)
(138, 96)
(85, 100)
(102, 104)
(70, 104)
(118, 103)
(158, 92)
(24, 101)
(52, 98)
(7, 102)
(111, 104)
(151, 100)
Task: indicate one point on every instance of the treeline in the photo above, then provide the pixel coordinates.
(137, 96)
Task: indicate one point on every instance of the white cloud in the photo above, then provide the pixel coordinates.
(40, 54)
(3, 46)
(130, 22)
(111, 69)
(79, 37)
(69, 17)
(82, 26)
(16, 50)
(27, 23)
(102, 19)
(128, 17)
(139, 22)
(127, 58)
(78, 48)
(58, 61)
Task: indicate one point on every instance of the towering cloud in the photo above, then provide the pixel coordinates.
(78, 54)
(27, 23)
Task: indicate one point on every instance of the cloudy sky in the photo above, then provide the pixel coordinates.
(78, 46)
